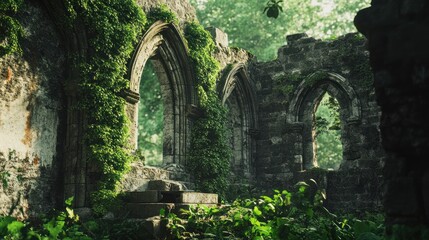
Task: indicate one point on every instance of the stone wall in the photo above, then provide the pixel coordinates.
(398, 34)
(30, 117)
(289, 90)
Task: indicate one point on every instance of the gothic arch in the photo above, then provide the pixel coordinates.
(166, 48)
(237, 93)
(304, 104)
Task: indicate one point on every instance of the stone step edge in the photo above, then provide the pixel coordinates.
(156, 196)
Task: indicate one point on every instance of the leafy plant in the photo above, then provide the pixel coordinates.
(10, 29)
(285, 215)
(163, 13)
(63, 225)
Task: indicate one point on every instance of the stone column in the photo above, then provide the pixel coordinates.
(398, 37)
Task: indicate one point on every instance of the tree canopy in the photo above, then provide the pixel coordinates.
(249, 28)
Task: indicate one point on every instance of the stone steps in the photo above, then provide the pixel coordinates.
(149, 203)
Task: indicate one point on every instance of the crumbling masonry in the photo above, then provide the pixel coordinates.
(271, 110)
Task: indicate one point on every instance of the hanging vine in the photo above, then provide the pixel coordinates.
(113, 28)
(210, 151)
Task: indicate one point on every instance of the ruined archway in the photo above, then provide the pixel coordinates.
(237, 94)
(165, 47)
(305, 102)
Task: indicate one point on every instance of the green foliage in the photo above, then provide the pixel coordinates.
(285, 215)
(328, 133)
(210, 152)
(10, 29)
(151, 117)
(249, 28)
(201, 47)
(162, 13)
(112, 31)
(62, 225)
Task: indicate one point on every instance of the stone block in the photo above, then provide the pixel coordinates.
(294, 37)
(165, 185)
(197, 197)
(143, 197)
(146, 210)
(189, 197)
(219, 37)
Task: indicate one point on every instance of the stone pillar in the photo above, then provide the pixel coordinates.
(296, 129)
(398, 37)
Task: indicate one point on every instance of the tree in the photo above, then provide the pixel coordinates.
(328, 133)
(249, 28)
(151, 117)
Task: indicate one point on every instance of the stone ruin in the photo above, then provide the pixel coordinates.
(271, 114)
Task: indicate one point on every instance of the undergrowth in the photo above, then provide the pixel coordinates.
(298, 214)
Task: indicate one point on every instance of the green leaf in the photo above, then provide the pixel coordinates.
(15, 227)
(256, 211)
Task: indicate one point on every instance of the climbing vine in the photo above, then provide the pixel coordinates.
(162, 13)
(210, 151)
(10, 29)
(112, 29)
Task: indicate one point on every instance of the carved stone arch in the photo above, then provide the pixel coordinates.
(304, 104)
(164, 45)
(338, 86)
(237, 93)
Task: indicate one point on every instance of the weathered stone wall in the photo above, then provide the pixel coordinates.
(288, 91)
(398, 34)
(30, 107)
(236, 91)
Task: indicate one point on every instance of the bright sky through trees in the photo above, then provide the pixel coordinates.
(249, 28)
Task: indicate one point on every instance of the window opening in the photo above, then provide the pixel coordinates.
(150, 117)
(328, 147)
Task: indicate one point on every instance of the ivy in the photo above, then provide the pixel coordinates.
(10, 29)
(112, 29)
(210, 151)
(162, 13)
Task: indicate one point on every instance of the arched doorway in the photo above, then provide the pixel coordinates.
(236, 92)
(164, 47)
